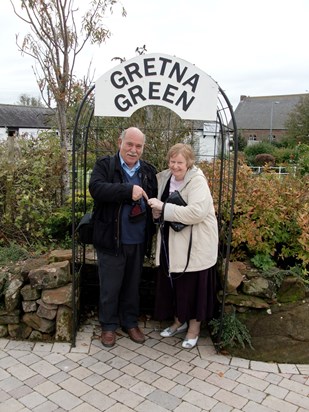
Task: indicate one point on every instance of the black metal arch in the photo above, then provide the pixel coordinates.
(221, 174)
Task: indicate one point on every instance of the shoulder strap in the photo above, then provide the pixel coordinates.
(161, 227)
(189, 250)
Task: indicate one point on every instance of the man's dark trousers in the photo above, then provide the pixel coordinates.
(119, 287)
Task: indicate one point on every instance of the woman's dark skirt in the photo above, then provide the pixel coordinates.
(191, 295)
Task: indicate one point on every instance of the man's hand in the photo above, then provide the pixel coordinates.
(138, 192)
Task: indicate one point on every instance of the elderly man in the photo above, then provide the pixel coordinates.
(123, 228)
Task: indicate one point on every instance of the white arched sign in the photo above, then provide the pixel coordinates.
(157, 79)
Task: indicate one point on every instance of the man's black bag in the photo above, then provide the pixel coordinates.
(86, 225)
(176, 199)
(85, 229)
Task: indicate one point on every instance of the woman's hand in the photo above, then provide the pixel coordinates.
(155, 204)
(156, 214)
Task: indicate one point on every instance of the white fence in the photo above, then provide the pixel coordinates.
(280, 170)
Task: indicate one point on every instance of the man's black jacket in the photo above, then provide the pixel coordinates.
(109, 196)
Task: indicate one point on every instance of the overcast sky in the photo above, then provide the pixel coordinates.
(253, 48)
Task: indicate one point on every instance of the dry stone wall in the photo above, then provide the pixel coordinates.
(36, 298)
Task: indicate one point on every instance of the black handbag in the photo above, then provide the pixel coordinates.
(85, 229)
(176, 199)
(86, 225)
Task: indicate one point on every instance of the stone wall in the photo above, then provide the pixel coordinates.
(247, 288)
(36, 304)
(36, 298)
(274, 307)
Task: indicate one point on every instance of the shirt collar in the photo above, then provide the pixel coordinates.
(129, 170)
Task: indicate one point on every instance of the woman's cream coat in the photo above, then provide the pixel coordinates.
(200, 213)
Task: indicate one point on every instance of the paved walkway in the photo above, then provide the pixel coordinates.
(155, 377)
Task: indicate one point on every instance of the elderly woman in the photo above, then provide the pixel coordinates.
(186, 284)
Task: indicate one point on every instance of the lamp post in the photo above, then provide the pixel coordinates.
(271, 121)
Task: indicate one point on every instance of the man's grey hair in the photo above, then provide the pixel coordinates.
(123, 134)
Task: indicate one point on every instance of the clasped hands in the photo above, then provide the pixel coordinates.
(155, 204)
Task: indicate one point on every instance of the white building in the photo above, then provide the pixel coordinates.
(209, 140)
(27, 121)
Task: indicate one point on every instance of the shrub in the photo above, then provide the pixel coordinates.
(251, 152)
(271, 217)
(12, 253)
(30, 182)
(284, 156)
(263, 262)
(234, 332)
(263, 159)
(302, 158)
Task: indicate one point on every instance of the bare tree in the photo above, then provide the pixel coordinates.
(56, 39)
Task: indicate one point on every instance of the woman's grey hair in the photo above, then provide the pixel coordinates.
(186, 150)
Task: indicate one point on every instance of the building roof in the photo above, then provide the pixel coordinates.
(254, 113)
(25, 116)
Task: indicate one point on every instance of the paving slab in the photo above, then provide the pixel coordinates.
(158, 376)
